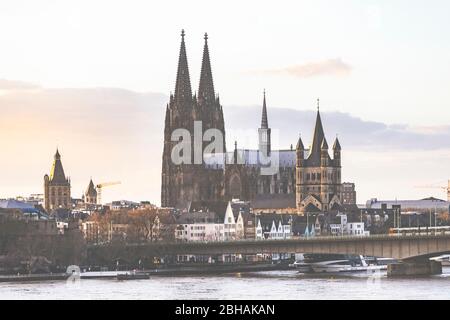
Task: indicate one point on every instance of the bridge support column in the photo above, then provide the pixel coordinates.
(414, 268)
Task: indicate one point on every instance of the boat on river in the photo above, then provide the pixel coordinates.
(347, 266)
(34, 277)
(444, 260)
(337, 264)
(133, 276)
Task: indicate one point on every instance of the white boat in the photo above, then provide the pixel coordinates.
(343, 266)
(444, 259)
(102, 274)
(301, 266)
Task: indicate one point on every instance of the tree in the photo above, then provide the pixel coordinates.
(144, 224)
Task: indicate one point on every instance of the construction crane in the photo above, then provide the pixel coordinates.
(102, 185)
(447, 188)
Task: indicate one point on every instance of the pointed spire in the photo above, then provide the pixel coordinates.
(324, 145)
(264, 122)
(229, 216)
(183, 92)
(206, 86)
(336, 145)
(57, 171)
(318, 134)
(300, 145)
(235, 154)
(91, 189)
(57, 155)
(167, 118)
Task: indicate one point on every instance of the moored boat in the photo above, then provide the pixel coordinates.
(34, 277)
(133, 276)
(346, 266)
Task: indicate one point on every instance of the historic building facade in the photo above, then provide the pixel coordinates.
(56, 187)
(348, 193)
(318, 176)
(238, 174)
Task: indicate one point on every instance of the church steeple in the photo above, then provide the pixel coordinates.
(57, 155)
(183, 92)
(57, 172)
(56, 186)
(206, 85)
(264, 132)
(337, 145)
(264, 122)
(91, 189)
(300, 145)
(317, 138)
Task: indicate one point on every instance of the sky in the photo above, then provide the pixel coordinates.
(93, 78)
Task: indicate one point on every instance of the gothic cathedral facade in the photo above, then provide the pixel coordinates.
(310, 177)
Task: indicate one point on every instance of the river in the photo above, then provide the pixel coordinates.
(253, 285)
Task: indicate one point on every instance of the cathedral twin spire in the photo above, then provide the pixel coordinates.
(206, 85)
(183, 91)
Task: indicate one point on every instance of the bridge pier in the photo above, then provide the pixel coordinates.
(414, 268)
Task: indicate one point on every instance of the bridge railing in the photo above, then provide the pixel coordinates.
(297, 238)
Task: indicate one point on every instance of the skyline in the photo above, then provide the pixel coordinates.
(91, 88)
(124, 142)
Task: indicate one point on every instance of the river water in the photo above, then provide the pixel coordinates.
(257, 285)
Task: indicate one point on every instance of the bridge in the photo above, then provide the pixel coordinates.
(410, 249)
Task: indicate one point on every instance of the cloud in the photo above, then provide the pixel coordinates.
(331, 67)
(116, 134)
(12, 85)
(354, 133)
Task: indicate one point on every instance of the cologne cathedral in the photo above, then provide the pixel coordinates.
(306, 179)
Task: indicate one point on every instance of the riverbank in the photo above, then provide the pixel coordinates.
(179, 270)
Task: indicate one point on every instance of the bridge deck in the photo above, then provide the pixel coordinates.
(392, 246)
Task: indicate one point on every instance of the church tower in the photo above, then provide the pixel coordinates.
(56, 187)
(193, 181)
(264, 146)
(318, 176)
(90, 196)
(207, 101)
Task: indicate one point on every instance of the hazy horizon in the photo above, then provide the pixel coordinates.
(114, 134)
